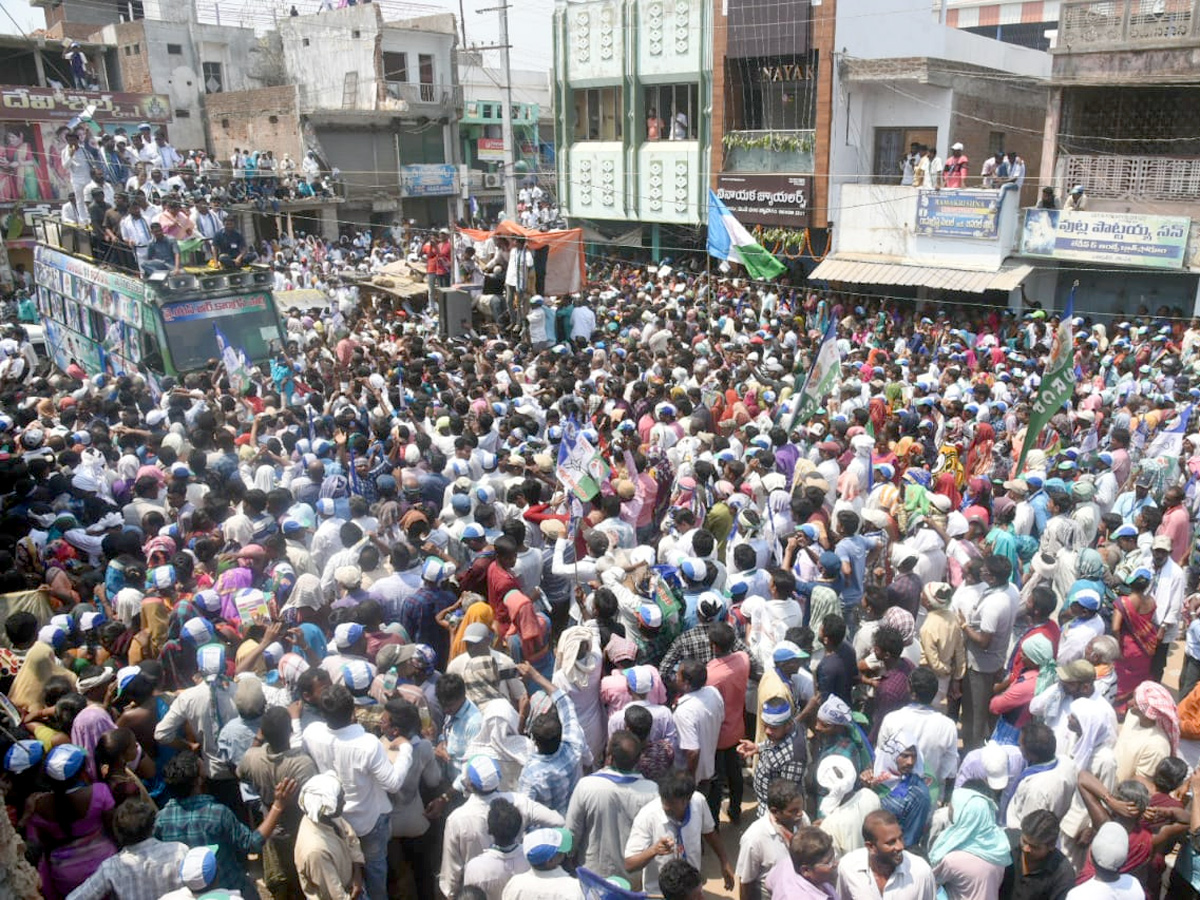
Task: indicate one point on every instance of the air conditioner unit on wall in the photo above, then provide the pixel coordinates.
(492, 180)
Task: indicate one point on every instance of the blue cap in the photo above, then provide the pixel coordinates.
(64, 762)
(1088, 599)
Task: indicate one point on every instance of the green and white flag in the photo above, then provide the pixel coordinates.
(728, 239)
(1058, 380)
(825, 372)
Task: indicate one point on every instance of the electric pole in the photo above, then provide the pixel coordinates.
(510, 167)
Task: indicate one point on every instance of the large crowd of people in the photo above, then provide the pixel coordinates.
(586, 608)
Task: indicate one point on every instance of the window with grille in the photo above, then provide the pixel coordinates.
(214, 79)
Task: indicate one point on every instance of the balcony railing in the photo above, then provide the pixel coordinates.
(1103, 24)
(769, 151)
(1169, 178)
(443, 95)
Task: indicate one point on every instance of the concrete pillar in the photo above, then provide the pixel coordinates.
(329, 223)
(655, 241)
(1196, 300)
(1050, 138)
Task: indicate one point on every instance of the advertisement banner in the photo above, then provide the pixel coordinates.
(212, 309)
(777, 200)
(429, 180)
(111, 293)
(490, 149)
(38, 104)
(1155, 242)
(966, 214)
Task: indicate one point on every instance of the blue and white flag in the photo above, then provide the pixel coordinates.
(237, 367)
(728, 239)
(1170, 442)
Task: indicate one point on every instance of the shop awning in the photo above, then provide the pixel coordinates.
(972, 281)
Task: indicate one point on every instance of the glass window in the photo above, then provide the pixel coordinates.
(192, 338)
(671, 112)
(214, 81)
(597, 114)
(395, 67)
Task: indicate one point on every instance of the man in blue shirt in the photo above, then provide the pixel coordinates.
(231, 248)
(852, 549)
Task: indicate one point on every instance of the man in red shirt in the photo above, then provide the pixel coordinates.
(501, 580)
(437, 253)
(729, 673)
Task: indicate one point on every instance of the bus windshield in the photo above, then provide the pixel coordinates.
(247, 321)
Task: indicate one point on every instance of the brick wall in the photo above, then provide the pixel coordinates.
(983, 106)
(716, 153)
(822, 40)
(262, 119)
(133, 58)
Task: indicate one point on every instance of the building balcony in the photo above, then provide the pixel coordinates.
(428, 99)
(1169, 179)
(772, 150)
(1095, 25)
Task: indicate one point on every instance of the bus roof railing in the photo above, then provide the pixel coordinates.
(77, 240)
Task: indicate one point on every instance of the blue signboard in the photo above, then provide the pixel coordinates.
(429, 180)
(1155, 242)
(965, 214)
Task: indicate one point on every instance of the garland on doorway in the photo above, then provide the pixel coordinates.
(777, 143)
(789, 243)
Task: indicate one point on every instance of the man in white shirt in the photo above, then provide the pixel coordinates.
(360, 761)
(536, 320)
(906, 877)
(135, 231)
(672, 827)
(78, 164)
(698, 716)
(766, 841)
(545, 849)
(1047, 782)
(583, 321)
(604, 804)
(936, 734)
(1110, 850)
(492, 869)
(467, 827)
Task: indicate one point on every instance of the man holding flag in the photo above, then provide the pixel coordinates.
(1058, 382)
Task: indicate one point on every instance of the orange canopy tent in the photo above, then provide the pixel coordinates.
(565, 270)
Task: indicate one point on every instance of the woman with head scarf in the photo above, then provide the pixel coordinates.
(899, 779)
(1094, 728)
(1134, 625)
(1012, 704)
(969, 857)
(500, 738)
(577, 672)
(979, 454)
(840, 734)
(68, 823)
(479, 611)
(1150, 733)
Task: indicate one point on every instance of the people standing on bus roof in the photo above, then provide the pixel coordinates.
(78, 164)
(135, 231)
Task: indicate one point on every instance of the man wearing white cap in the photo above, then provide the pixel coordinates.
(545, 849)
(466, 833)
(1110, 849)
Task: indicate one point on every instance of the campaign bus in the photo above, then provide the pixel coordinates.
(112, 320)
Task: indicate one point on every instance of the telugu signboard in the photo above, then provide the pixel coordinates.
(965, 214)
(776, 200)
(212, 309)
(38, 104)
(429, 180)
(1155, 242)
